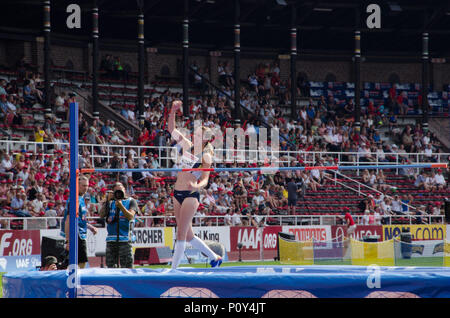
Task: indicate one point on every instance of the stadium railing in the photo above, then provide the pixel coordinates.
(284, 157)
(39, 223)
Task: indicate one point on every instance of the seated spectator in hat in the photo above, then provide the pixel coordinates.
(28, 93)
(380, 154)
(428, 153)
(258, 199)
(258, 218)
(221, 203)
(365, 177)
(427, 183)
(365, 153)
(19, 203)
(436, 210)
(386, 210)
(420, 181)
(37, 205)
(199, 216)
(396, 205)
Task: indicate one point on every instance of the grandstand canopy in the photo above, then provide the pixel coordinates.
(324, 26)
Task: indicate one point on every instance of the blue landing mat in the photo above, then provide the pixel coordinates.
(237, 282)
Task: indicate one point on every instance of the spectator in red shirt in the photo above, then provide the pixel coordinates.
(351, 227)
(144, 137)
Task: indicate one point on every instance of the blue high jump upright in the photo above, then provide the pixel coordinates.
(73, 207)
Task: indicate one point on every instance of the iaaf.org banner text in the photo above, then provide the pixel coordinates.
(19, 243)
(19, 250)
(250, 237)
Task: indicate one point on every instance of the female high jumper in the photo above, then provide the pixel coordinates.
(186, 189)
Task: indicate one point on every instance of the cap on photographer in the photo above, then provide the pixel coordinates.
(119, 212)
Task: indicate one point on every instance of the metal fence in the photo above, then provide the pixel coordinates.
(168, 154)
(41, 223)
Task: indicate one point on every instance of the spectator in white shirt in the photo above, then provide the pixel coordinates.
(439, 180)
(228, 218)
(236, 218)
(381, 154)
(386, 210)
(428, 152)
(199, 217)
(211, 110)
(38, 204)
(396, 205)
(258, 199)
(366, 218)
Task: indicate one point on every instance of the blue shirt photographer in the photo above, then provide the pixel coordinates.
(126, 227)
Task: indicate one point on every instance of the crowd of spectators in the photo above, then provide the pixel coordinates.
(34, 183)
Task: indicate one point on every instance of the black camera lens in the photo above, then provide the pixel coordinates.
(119, 195)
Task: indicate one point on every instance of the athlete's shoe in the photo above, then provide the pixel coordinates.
(216, 262)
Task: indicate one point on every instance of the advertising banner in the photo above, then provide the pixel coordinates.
(145, 237)
(427, 249)
(418, 232)
(19, 250)
(306, 233)
(153, 236)
(250, 237)
(340, 231)
(219, 234)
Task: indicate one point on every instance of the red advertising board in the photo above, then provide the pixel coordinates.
(250, 237)
(20, 243)
(360, 232)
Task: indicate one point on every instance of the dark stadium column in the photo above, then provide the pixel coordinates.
(95, 35)
(47, 75)
(186, 60)
(357, 70)
(141, 61)
(237, 61)
(293, 62)
(425, 81)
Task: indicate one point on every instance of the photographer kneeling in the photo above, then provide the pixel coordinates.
(119, 213)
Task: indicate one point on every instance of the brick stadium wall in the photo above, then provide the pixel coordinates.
(61, 55)
(317, 71)
(407, 72)
(11, 51)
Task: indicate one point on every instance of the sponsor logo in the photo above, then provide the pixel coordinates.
(438, 248)
(19, 243)
(251, 237)
(149, 236)
(418, 249)
(307, 233)
(418, 232)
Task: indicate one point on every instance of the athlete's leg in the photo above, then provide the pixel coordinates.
(184, 223)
